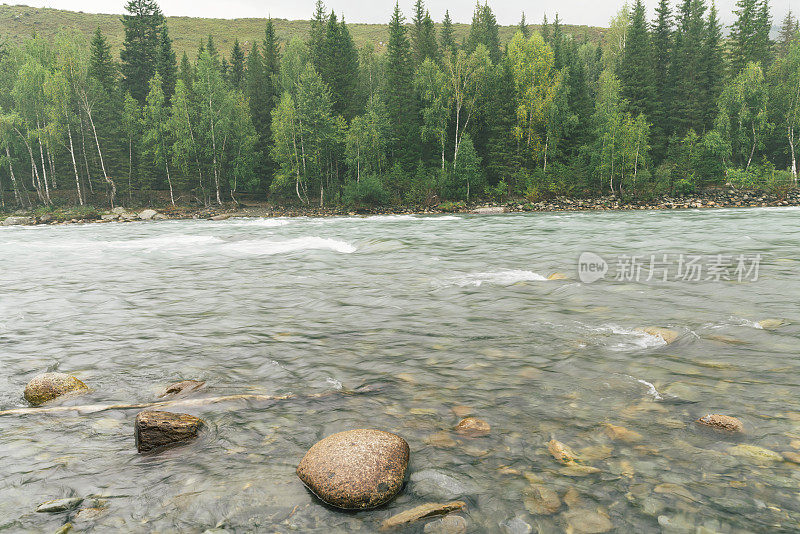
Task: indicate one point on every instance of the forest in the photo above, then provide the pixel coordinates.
(669, 103)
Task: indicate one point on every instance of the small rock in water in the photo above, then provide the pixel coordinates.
(441, 439)
(541, 500)
(180, 388)
(223, 217)
(473, 427)
(48, 386)
(755, 453)
(65, 529)
(516, 526)
(588, 522)
(561, 452)
(669, 336)
(792, 457)
(722, 422)
(771, 324)
(620, 433)
(452, 524)
(156, 431)
(558, 276)
(435, 484)
(421, 512)
(59, 505)
(357, 469)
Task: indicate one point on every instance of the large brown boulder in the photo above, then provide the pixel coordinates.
(156, 431)
(48, 386)
(357, 469)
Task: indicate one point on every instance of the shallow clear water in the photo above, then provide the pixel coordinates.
(441, 312)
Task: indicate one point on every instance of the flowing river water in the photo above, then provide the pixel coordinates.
(437, 313)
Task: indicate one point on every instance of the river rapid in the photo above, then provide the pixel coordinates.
(444, 316)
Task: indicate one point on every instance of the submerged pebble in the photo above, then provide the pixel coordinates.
(473, 427)
(59, 505)
(722, 422)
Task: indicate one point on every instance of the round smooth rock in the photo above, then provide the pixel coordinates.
(357, 469)
(48, 386)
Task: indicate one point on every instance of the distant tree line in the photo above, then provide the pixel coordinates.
(663, 106)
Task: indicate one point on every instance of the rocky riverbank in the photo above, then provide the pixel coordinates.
(710, 200)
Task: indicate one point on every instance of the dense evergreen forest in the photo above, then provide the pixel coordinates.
(668, 104)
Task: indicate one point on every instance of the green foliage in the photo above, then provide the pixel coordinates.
(140, 58)
(368, 192)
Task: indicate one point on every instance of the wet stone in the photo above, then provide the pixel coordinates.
(182, 388)
(452, 524)
(722, 422)
(435, 484)
(156, 431)
(49, 386)
(59, 505)
(421, 512)
(588, 522)
(356, 470)
(473, 427)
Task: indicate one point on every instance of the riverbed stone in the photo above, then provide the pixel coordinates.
(182, 388)
(451, 524)
(562, 453)
(49, 386)
(156, 431)
(18, 221)
(59, 505)
(147, 215)
(541, 500)
(433, 483)
(421, 512)
(588, 521)
(356, 470)
(223, 217)
(473, 427)
(669, 336)
(722, 422)
(756, 454)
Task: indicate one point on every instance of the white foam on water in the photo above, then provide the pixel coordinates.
(269, 247)
(335, 383)
(502, 277)
(651, 389)
(633, 339)
(261, 223)
(150, 244)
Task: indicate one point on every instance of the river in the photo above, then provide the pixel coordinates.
(438, 313)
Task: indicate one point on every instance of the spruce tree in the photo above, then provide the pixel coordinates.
(523, 27)
(139, 54)
(763, 43)
(687, 69)
(316, 42)
(237, 66)
(447, 38)
(712, 68)
(790, 32)
(662, 43)
(166, 65)
(423, 37)
(749, 35)
(484, 31)
(101, 65)
(545, 29)
(636, 68)
(186, 72)
(401, 105)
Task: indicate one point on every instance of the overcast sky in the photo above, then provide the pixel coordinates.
(593, 13)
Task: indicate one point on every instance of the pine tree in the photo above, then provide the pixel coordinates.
(186, 73)
(545, 29)
(749, 36)
(237, 66)
(101, 65)
(636, 69)
(523, 27)
(167, 66)
(687, 70)
(401, 105)
(317, 37)
(790, 32)
(447, 38)
(712, 68)
(484, 31)
(423, 37)
(661, 39)
(140, 49)
(337, 65)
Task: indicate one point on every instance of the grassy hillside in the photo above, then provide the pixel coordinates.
(19, 22)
